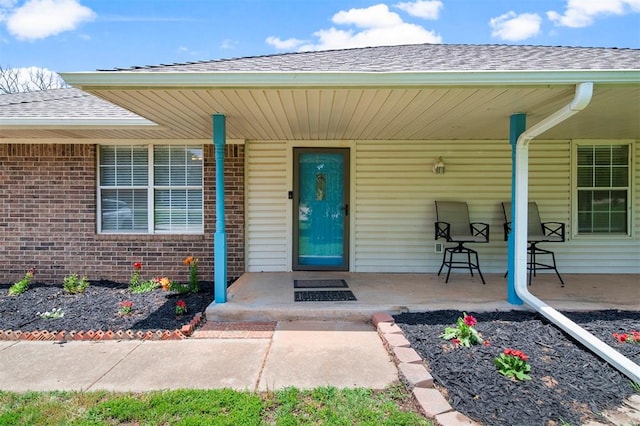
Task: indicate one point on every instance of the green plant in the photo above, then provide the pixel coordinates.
(192, 263)
(125, 308)
(144, 287)
(22, 285)
(513, 363)
(72, 284)
(180, 288)
(135, 276)
(464, 333)
(181, 307)
(55, 313)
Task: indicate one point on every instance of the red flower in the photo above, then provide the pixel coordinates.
(456, 341)
(486, 343)
(516, 353)
(469, 320)
(181, 304)
(623, 337)
(137, 266)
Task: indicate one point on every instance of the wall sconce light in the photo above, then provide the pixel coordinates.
(438, 166)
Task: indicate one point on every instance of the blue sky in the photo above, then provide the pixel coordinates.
(84, 35)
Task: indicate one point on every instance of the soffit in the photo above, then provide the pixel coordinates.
(391, 113)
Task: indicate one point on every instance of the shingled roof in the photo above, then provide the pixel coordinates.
(67, 103)
(421, 57)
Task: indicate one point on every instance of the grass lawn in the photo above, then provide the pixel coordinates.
(326, 406)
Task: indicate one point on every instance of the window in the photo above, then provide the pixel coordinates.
(603, 189)
(150, 189)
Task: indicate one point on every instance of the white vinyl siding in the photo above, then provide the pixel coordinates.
(393, 212)
(267, 207)
(395, 193)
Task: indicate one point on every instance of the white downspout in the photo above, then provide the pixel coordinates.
(581, 99)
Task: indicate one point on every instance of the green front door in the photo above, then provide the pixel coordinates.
(321, 209)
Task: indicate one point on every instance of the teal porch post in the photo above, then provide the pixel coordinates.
(220, 236)
(517, 125)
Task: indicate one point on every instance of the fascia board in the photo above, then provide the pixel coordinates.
(121, 79)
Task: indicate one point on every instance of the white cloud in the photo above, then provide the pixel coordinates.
(227, 43)
(427, 9)
(372, 17)
(513, 27)
(38, 19)
(582, 13)
(288, 44)
(375, 26)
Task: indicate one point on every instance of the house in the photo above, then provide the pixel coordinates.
(128, 165)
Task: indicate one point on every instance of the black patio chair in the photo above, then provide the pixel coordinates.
(537, 232)
(453, 224)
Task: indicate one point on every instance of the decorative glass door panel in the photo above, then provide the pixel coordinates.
(321, 209)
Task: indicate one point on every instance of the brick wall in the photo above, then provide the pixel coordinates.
(48, 220)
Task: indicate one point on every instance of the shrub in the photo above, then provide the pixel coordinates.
(74, 285)
(22, 285)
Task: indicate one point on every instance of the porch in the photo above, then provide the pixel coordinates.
(269, 296)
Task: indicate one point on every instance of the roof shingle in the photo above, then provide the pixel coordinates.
(420, 57)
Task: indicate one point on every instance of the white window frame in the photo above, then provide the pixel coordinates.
(574, 190)
(150, 188)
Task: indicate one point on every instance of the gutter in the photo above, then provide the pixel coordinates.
(114, 80)
(583, 94)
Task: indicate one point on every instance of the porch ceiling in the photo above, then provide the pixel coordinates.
(386, 113)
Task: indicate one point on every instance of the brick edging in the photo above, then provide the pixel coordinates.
(415, 375)
(84, 335)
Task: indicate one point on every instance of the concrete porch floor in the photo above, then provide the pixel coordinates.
(269, 296)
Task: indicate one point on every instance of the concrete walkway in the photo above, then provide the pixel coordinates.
(304, 354)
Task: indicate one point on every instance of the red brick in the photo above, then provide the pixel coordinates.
(431, 402)
(379, 317)
(455, 418)
(66, 173)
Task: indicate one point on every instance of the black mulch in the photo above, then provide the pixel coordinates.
(324, 296)
(569, 383)
(319, 284)
(97, 308)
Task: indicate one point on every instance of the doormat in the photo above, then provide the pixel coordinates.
(324, 296)
(319, 284)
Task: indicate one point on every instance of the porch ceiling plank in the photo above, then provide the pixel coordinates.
(327, 116)
(274, 111)
(252, 115)
(395, 106)
(147, 101)
(314, 112)
(603, 118)
(438, 112)
(415, 111)
(345, 102)
(363, 116)
(291, 113)
(237, 124)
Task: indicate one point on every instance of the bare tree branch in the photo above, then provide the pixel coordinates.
(15, 80)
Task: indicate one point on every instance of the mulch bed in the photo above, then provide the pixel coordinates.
(97, 308)
(569, 385)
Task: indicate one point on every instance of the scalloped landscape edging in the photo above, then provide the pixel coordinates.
(91, 335)
(415, 375)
